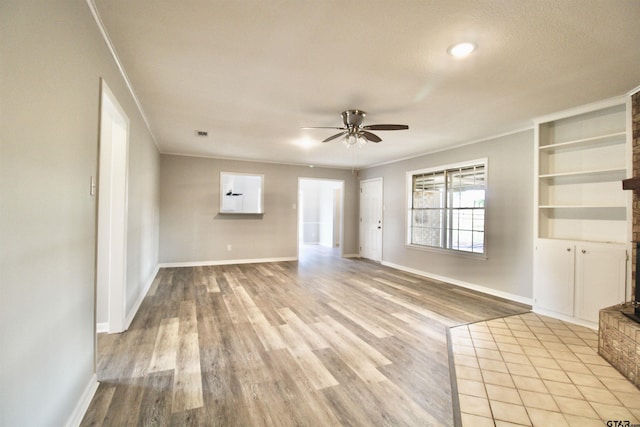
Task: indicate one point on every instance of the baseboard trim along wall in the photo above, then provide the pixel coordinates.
(351, 256)
(565, 318)
(83, 404)
(104, 326)
(141, 297)
(224, 262)
(463, 284)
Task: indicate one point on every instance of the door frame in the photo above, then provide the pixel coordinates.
(111, 241)
(378, 255)
(300, 207)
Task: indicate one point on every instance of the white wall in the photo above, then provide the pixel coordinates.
(193, 231)
(509, 217)
(320, 219)
(310, 205)
(52, 59)
(327, 213)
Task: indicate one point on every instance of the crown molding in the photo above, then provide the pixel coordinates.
(105, 35)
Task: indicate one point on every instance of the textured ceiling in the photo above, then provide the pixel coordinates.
(253, 73)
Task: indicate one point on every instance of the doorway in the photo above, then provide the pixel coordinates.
(112, 215)
(320, 215)
(371, 211)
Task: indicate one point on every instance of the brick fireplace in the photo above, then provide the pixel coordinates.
(618, 335)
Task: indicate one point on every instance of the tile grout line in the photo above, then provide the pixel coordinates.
(576, 336)
(457, 414)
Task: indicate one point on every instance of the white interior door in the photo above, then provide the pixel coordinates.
(112, 215)
(371, 210)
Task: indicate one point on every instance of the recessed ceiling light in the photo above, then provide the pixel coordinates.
(461, 50)
(304, 142)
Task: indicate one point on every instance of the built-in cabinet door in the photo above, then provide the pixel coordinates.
(600, 278)
(554, 276)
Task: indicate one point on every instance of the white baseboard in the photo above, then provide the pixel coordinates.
(351, 256)
(141, 297)
(463, 284)
(224, 262)
(565, 318)
(102, 327)
(83, 404)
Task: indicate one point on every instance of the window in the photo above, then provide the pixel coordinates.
(447, 207)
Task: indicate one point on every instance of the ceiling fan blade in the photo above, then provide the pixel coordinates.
(386, 127)
(369, 136)
(324, 127)
(337, 135)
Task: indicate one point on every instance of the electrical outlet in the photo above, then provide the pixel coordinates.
(229, 247)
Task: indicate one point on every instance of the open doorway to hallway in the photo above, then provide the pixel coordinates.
(320, 215)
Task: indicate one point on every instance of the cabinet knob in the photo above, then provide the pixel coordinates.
(568, 249)
(584, 251)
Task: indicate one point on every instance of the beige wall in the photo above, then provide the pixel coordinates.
(509, 216)
(52, 60)
(192, 230)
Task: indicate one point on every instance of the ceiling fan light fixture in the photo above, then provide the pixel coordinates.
(350, 140)
(361, 141)
(461, 50)
(354, 132)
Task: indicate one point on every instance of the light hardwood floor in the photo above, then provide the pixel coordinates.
(322, 341)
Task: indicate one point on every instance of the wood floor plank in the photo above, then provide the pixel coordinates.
(313, 340)
(125, 405)
(398, 286)
(312, 367)
(155, 407)
(360, 364)
(267, 334)
(321, 341)
(187, 386)
(166, 347)
(356, 342)
(97, 411)
(413, 307)
(371, 327)
(234, 309)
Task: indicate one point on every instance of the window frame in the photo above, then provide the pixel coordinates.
(409, 206)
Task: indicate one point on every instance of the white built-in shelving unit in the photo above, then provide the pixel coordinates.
(581, 211)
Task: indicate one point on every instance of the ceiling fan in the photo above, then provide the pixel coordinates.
(353, 131)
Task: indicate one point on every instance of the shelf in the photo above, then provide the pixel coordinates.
(596, 141)
(582, 207)
(582, 159)
(598, 242)
(599, 172)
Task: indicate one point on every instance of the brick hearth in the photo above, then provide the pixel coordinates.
(619, 341)
(619, 336)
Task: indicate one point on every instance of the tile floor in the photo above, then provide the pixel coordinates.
(533, 370)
